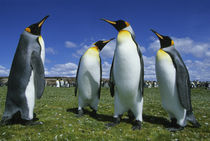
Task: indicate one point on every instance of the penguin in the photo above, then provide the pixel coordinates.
(127, 75)
(57, 83)
(88, 78)
(174, 84)
(26, 79)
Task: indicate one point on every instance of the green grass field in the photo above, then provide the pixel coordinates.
(57, 109)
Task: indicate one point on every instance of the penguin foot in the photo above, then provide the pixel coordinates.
(15, 119)
(174, 126)
(174, 129)
(31, 122)
(137, 125)
(112, 124)
(80, 113)
(131, 115)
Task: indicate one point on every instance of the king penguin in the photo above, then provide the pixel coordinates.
(88, 78)
(26, 79)
(127, 75)
(174, 84)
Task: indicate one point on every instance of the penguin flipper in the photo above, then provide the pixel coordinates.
(141, 82)
(99, 89)
(76, 84)
(38, 67)
(111, 79)
(182, 78)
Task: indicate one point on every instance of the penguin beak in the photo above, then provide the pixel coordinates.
(158, 35)
(105, 42)
(108, 21)
(42, 21)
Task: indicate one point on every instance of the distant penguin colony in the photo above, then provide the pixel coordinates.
(26, 80)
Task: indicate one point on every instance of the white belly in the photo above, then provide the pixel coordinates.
(89, 77)
(166, 77)
(127, 72)
(30, 95)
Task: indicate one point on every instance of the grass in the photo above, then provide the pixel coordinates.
(57, 109)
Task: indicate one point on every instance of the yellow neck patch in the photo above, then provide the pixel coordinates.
(41, 41)
(94, 52)
(94, 49)
(123, 34)
(162, 55)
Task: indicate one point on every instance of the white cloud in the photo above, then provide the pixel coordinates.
(155, 45)
(106, 69)
(69, 44)
(68, 69)
(81, 51)
(186, 46)
(208, 53)
(149, 68)
(4, 71)
(198, 70)
(50, 50)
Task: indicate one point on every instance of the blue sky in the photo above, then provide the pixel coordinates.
(74, 25)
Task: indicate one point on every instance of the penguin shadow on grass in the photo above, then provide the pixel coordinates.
(102, 117)
(99, 117)
(161, 121)
(157, 120)
(16, 119)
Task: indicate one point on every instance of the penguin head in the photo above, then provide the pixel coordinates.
(165, 41)
(35, 29)
(100, 44)
(119, 25)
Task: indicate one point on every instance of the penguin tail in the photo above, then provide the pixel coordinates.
(191, 118)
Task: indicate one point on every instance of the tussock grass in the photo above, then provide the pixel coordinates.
(58, 107)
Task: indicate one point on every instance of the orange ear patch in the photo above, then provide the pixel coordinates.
(127, 24)
(28, 29)
(172, 42)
